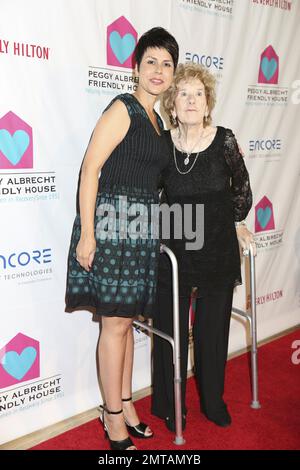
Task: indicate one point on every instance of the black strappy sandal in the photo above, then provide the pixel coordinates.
(138, 430)
(124, 444)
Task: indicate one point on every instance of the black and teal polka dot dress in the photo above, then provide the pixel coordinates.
(122, 281)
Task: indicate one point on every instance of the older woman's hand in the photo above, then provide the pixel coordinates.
(245, 238)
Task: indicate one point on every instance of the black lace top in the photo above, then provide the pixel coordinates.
(219, 181)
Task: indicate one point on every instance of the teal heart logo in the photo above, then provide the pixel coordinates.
(268, 67)
(17, 365)
(263, 216)
(122, 47)
(13, 146)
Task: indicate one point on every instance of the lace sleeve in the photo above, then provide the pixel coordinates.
(240, 183)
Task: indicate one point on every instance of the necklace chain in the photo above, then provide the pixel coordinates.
(187, 159)
(175, 160)
(195, 145)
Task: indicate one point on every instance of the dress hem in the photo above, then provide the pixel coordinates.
(110, 310)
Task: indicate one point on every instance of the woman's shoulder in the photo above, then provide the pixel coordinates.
(124, 98)
(228, 133)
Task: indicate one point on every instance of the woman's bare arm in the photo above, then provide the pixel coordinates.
(109, 131)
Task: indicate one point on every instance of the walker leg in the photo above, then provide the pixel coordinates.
(176, 349)
(255, 402)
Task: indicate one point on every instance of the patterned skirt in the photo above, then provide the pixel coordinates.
(122, 280)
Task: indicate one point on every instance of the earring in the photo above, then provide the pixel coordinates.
(173, 120)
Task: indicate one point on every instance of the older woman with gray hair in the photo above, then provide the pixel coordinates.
(205, 168)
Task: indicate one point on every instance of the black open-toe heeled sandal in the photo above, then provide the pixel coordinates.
(124, 444)
(138, 430)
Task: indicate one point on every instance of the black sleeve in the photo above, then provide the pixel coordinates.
(240, 183)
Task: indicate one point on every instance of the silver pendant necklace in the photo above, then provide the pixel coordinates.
(176, 165)
(186, 161)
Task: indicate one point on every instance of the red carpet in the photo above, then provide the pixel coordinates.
(275, 426)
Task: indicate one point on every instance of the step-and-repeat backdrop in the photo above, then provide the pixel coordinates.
(61, 62)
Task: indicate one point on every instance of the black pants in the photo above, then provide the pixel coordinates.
(210, 334)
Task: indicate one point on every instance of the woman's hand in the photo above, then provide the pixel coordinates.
(245, 238)
(85, 251)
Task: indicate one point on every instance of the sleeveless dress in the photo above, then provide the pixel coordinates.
(122, 281)
(219, 181)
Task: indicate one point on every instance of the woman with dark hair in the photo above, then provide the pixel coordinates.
(113, 273)
(206, 169)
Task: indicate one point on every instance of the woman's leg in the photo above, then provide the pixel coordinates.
(128, 407)
(112, 351)
(211, 332)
